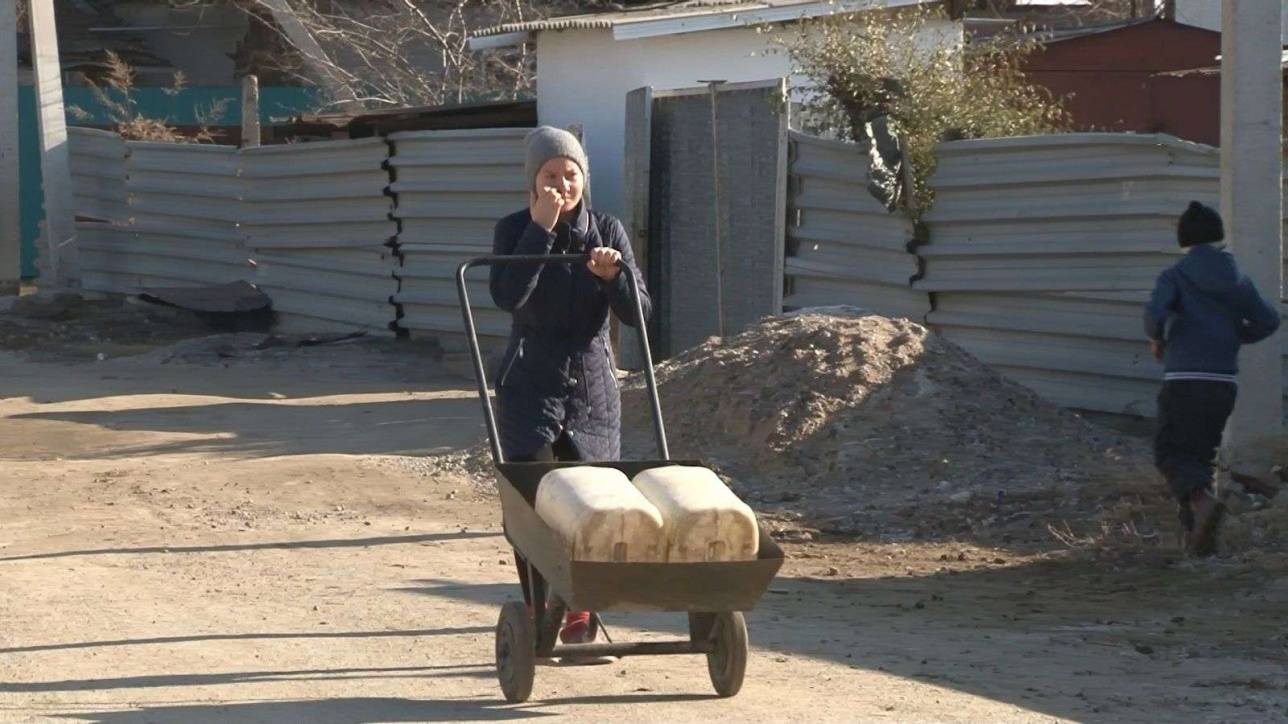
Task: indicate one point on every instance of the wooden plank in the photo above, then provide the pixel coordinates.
(780, 202)
(250, 112)
(635, 170)
(10, 220)
(60, 228)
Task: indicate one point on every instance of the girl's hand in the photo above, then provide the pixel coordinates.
(545, 206)
(603, 262)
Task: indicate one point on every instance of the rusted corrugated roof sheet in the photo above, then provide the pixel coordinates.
(658, 11)
(491, 114)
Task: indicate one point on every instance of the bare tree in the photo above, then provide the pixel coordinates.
(394, 53)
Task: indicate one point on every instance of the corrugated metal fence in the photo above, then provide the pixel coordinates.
(184, 209)
(451, 188)
(1040, 252)
(843, 246)
(316, 221)
(98, 174)
(1043, 249)
(358, 233)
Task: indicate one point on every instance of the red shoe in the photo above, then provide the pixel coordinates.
(576, 628)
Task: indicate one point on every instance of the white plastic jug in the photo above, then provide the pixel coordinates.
(702, 519)
(600, 516)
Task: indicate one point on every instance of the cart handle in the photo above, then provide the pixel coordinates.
(494, 437)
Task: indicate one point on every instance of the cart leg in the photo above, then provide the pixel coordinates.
(522, 564)
(700, 625)
(516, 652)
(547, 611)
(597, 626)
(727, 662)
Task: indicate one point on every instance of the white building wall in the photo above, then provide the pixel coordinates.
(583, 77)
(1207, 14)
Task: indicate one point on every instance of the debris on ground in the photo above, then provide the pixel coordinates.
(120, 331)
(82, 325)
(232, 298)
(241, 347)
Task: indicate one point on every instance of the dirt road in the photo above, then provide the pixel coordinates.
(195, 542)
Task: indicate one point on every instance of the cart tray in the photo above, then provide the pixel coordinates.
(604, 586)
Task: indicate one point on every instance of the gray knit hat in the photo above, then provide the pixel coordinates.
(547, 142)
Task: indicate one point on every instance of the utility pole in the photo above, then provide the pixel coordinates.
(55, 157)
(10, 205)
(1251, 201)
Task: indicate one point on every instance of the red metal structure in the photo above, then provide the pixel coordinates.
(1150, 76)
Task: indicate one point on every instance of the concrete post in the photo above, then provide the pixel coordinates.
(250, 112)
(55, 157)
(10, 207)
(1252, 201)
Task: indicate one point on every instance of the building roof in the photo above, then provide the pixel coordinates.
(84, 33)
(489, 114)
(1057, 36)
(685, 16)
(1214, 70)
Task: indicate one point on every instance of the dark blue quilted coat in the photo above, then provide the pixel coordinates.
(557, 373)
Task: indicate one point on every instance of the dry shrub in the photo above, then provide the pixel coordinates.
(115, 92)
(873, 71)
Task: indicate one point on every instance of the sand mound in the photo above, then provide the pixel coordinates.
(851, 417)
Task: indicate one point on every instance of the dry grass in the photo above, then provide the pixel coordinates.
(1137, 514)
(115, 93)
(1265, 530)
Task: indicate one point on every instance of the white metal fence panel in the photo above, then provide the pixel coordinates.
(309, 223)
(316, 218)
(1093, 211)
(843, 246)
(451, 187)
(184, 209)
(1079, 349)
(324, 288)
(98, 174)
(1043, 250)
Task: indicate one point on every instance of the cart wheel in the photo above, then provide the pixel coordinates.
(516, 651)
(727, 663)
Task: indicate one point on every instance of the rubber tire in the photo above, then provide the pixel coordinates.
(727, 663)
(516, 652)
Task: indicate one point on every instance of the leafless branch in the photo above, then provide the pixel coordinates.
(390, 53)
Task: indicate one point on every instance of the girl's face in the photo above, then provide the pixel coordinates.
(565, 177)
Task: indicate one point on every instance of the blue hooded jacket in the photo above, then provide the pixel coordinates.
(1203, 308)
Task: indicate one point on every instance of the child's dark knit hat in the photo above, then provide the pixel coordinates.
(1199, 224)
